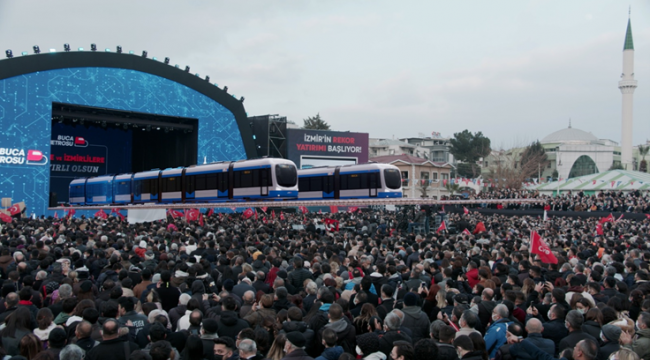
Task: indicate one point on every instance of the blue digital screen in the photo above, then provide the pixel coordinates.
(26, 120)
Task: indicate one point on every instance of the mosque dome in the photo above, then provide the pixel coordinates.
(569, 135)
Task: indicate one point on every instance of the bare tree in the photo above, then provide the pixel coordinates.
(513, 167)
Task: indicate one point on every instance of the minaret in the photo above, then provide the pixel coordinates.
(627, 86)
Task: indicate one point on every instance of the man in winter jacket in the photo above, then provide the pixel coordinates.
(345, 332)
(332, 351)
(112, 347)
(294, 323)
(392, 325)
(295, 347)
(641, 344)
(298, 276)
(534, 329)
(414, 318)
(229, 323)
(496, 333)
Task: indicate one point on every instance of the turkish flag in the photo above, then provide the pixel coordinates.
(272, 214)
(255, 215)
(56, 214)
(465, 210)
(331, 224)
(539, 247)
(442, 227)
(248, 213)
(14, 209)
(101, 214)
(192, 214)
(210, 212)
(480, 227)
(599, 229)
(264, 208)
(174, 213)
(201, 220)
(353, 209)
(71, 212)
(6, 218)
(303, 209)
(607, 219)
(466, 232)
(281, 215)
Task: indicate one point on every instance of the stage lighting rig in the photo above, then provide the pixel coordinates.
(144, 53)
(93, 47)
(66, 47)
(207, 78)
(166, 61)
(187, 69)
(225, 88)
(119, 49)
(9, 53)
(241, 99)
(37, 50)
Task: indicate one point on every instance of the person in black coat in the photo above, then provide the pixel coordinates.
(112, 347)
(609, 344)
(534, 328)
(555, 329)
(229, 323)
(574, 320)
(387, 301)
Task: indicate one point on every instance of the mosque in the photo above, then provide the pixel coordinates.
(573, 152)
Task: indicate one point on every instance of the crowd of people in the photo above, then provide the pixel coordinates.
(601, 201)
(261, 288)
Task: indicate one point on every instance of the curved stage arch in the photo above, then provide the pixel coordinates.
(29, 85)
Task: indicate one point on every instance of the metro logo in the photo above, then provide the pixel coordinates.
(79, 141)
(34, 155)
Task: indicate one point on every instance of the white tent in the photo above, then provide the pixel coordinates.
(617, 180)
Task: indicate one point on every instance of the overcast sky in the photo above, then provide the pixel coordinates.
(515, 70)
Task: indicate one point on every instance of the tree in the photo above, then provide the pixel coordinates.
(469, 148)
(643, 151)
(515, 166)
(315, 123)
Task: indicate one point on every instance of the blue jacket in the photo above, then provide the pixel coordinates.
(496, 336)
(332, 353)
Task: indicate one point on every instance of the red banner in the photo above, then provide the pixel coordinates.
(539, 247)
(248, 213)
(101, 214)
(4, 217)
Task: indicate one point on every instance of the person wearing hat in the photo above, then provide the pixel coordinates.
(414, 318)
(609, 336)
(368, 347)
(294, 347)
(141, 249)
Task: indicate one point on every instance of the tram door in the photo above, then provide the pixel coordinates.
(264, 182)
(372, 180)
